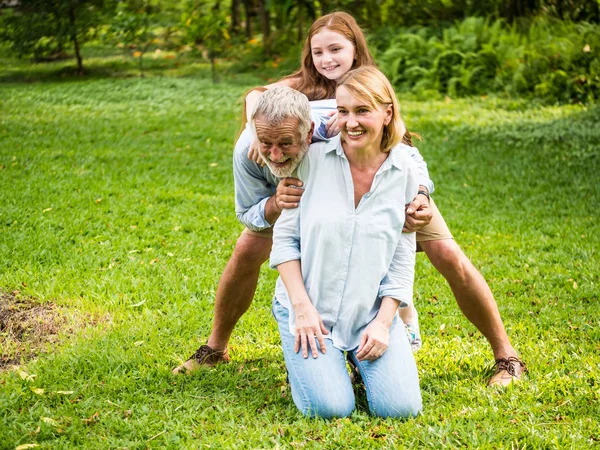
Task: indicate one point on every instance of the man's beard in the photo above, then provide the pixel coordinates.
(293, 162)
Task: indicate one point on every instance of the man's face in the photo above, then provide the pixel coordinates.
(281, 147)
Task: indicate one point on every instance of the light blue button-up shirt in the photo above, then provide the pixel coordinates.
(350, 257)
(254, 184)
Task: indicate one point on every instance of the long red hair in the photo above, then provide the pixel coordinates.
(307, 79)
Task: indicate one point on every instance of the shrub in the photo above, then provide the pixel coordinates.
(551, 61)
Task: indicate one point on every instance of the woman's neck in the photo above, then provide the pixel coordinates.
(365, 158)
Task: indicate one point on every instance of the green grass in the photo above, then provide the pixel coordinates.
(116, 198)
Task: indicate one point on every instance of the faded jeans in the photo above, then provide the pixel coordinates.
(321, 387)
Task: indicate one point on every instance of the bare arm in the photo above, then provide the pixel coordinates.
(309, 324)
(376, 338)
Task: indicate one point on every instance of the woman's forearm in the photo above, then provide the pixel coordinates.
(387, 311)
(291, 275)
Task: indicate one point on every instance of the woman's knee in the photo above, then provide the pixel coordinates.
(399, 408)
(330, 408)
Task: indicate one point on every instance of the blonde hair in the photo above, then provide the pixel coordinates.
(370, 85)
(307, 79)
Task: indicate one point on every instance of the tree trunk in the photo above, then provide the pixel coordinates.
(249, 10)
(265, 23)
(300, 20)
(141, 63)
(235, 17)
(75, 41)
(213, 66)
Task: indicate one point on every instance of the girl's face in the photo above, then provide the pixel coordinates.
(333, 55)
(361, 124)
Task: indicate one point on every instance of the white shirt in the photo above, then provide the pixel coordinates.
(350, 257)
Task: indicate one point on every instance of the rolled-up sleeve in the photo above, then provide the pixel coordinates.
(286, 238)
(252, 190)
(399, 279)
(422, 172)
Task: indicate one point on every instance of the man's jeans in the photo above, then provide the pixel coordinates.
(321, 387)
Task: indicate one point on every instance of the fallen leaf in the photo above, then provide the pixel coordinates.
(49, 421)
(587, 48)
(26, 446)
(91, 420)
(38, 391)
(138, 343)
(65, 392)
(25, 376)
(137, 54)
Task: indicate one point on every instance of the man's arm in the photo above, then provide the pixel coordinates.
(258, 203)
(252, 188)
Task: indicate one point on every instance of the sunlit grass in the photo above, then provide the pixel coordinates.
(116, 197)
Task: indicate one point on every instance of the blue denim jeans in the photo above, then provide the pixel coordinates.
(321, 387)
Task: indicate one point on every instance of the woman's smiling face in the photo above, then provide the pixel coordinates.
(333, 55)
(361, 123)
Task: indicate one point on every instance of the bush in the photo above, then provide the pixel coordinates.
(551, 61)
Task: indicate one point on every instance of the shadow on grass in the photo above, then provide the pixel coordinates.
(110, 64)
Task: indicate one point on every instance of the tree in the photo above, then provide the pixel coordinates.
(207, 28)
(135, 27)
(42, 27)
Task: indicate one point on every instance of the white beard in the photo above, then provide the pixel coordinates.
(283, 172)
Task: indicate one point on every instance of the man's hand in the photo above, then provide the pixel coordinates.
(374, 341)
(254, 153)
(332, 125)
(418, 214)
(289, 191)
(309, 326)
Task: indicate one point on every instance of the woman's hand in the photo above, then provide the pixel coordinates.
(309, 326)
(332, 126)
(254, 153)
(374, 341)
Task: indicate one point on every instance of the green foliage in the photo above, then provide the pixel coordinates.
(117, 200)
(206, 29)
(43, 28)
(135, 27)
(552, 61)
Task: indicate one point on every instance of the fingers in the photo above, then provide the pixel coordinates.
(307, 340)
(372, 349)
(289, 192)
(417, 220)
(332, 126)
(313, 346)
(411, 207)
(303, 344)
(323, 329)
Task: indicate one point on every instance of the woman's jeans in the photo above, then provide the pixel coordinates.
(321, 387)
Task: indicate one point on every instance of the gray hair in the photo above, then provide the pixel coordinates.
(279, 103)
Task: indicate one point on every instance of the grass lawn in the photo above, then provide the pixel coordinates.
(116, 211)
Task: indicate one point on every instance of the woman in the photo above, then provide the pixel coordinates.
(336, 44)
(345, 265)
